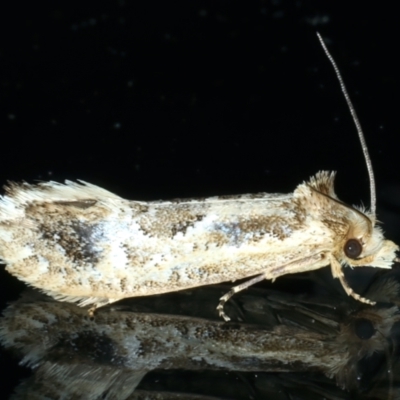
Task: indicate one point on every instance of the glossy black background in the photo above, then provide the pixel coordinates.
(196, 98)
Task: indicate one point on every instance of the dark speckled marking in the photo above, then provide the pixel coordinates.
(254, 228)
(273, 225)
(187, 200)
(76, 239)
(167, 223)
(123, 285)
(135, 259)
(87, 345)
(336, 226)
(183, 226)
(138, 208)
(249, 196)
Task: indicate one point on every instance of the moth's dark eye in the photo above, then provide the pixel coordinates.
(352, 248)
(364, 328)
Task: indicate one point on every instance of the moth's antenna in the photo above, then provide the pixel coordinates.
(357, 124)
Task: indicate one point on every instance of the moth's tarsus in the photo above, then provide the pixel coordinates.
(222, 301)
(357, 124)
(221, 312)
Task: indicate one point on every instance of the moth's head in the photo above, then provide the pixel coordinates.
(364, 243)
(358, 241)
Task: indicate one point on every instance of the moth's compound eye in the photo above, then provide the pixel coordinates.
(352, 248)
(364, 328)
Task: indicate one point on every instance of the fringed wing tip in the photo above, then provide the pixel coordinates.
(20, 194)
(81, 301)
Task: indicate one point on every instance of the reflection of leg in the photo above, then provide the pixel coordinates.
(91, 311)
(337, 272)
(234, 290)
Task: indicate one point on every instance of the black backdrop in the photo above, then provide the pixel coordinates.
(197, 98)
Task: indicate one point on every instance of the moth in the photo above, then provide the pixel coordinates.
(80, 243)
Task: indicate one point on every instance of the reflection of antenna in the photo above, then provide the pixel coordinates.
(358, 126)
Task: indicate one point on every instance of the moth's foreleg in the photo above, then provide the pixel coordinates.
(234, 290)
(337, 272)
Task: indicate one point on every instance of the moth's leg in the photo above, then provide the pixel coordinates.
(91, 311)
(337, 272)
(296, 266)
(97, 303)
(301, 265)
(234, 290)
